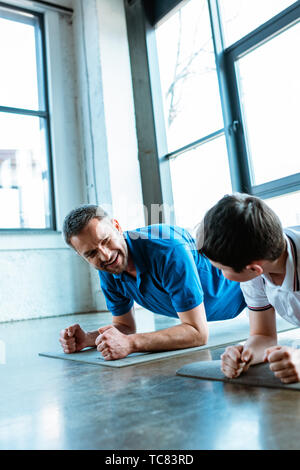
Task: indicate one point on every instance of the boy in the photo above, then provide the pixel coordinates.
(244, 238)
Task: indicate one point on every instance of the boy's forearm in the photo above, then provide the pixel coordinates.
(257, 344)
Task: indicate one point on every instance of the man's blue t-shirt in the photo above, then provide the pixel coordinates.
(171, 277)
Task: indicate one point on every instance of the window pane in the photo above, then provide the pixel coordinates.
(240, 17)
(24, 183)
(269, 80)
(200, 178)
(18, 58)
(287, 207)
(188, 75)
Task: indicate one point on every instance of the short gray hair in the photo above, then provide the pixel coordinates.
(78, 219)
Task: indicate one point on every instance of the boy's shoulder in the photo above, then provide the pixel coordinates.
(294, 234)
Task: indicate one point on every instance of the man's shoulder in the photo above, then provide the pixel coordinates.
(161, 243)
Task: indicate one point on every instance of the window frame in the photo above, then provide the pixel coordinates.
(255, 38)
(41, 54)
(157, 11)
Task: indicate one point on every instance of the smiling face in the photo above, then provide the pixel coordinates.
(101, 244)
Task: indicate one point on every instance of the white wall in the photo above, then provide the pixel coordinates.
(106, 109)
(95, 160)
(106, 113)
(119, 114)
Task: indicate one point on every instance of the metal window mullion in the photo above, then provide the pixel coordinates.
(44, 72)
(236, 127)
(277, 187)
(40, 4)
(239, 171)
(7, 13)
(25, 112)
(40, 65)
(265, 32)
(195, 144)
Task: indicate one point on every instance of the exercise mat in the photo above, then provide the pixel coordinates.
(221, 333)
(258, 375)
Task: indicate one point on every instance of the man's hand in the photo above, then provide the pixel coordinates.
(73, 339)
(112, 343)
(284, 362)
(235, 360)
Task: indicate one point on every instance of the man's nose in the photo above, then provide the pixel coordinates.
(103, 253)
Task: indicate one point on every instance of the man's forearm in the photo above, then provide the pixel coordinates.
(92, 335)
(177, 337)
(91, 338)
(126, 330)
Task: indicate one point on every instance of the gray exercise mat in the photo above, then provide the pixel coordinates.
(92, 356)
(221, 333)
(259, 375)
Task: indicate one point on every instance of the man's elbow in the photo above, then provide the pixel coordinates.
(201, 336)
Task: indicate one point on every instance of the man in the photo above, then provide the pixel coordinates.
(158, 267)
(244, 238)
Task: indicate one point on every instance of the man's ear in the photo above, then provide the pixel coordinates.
(117, 225)
(256, 267)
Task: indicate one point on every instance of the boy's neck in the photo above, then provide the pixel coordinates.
(277, 269)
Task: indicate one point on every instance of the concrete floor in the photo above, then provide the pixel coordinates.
(54, 404)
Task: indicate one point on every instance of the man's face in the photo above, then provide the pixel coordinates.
(102, 244)
(246, 275)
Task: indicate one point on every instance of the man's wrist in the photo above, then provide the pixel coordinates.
(133, 343)
(91, 338)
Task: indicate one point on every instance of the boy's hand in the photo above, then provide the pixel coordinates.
(284, 362)
(73, 339)
(235, 360)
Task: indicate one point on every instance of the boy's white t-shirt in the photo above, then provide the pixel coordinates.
(261, 294)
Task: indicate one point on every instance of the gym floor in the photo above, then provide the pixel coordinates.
(55, 404)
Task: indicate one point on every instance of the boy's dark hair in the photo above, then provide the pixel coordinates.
(78, 218)
(241, 229)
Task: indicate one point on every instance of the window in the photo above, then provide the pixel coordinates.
(196, 188)
(188, 75)
(264, 74)
(193, 113)
(25, 166)
(230, 77)
(240, 17)
(268, 79)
